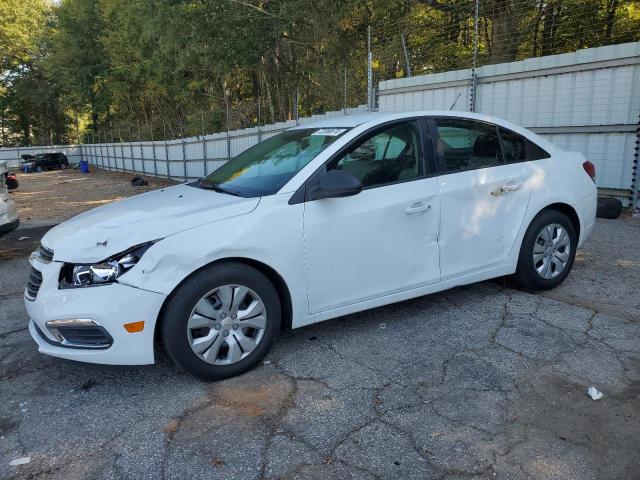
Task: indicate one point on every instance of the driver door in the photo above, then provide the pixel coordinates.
(385, 239)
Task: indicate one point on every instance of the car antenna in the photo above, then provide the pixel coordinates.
(455, 101)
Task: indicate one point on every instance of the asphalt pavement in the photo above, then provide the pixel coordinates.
(482, 381)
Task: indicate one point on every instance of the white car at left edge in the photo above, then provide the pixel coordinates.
(319, 221)
(8, 212)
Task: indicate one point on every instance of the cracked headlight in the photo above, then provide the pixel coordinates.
(101, 273)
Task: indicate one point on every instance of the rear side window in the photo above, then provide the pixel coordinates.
(467, 144)
(516, 148)
(534, 152)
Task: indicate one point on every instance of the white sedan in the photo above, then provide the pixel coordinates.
(8, 212)
(320, 221)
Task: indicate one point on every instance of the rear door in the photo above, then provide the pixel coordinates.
(484, 196)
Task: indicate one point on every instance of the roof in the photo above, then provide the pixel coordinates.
(352, 121)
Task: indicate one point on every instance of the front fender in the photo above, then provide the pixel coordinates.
(271, 234)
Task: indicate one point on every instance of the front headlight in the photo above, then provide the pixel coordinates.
(102, 273)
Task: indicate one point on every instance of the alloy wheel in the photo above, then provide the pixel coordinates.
(227, 324)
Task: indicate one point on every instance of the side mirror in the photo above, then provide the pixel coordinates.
(335, 184)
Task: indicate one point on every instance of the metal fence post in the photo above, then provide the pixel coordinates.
(406, 54)
(474, 77)
(101, 153)
(204, 148)
(184, 152)
(166, 156)
(369, 71)
(121, 149)
(344, 93)
(635, 172)
(184, 159)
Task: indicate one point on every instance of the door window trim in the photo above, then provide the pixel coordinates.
(426, 143)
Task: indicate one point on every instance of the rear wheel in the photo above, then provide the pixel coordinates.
(62, 166)
(221, 321)
(39, 169)
(548, 251)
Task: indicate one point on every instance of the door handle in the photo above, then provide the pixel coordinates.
(418, 207)
(508, 188)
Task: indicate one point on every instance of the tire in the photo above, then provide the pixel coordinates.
(200, 300)
(39, 169)
(555, 256)
(608, 208)
(62, 166)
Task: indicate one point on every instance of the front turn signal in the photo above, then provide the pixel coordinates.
(134, 327)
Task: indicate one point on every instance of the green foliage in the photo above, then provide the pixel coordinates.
(154, 68)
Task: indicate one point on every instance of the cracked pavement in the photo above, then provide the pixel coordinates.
(483, 381)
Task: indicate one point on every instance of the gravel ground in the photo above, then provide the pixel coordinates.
(482, 381)
(54, 196)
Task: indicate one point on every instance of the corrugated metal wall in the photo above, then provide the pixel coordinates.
(587, 101)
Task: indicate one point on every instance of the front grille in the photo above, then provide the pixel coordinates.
(33, 283)
(45, 253)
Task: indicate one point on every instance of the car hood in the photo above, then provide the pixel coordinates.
(105, 231)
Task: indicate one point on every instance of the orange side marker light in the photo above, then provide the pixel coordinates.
(134, 327)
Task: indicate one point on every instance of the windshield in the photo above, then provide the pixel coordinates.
(266, 167)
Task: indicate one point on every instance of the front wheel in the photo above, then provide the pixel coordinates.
(221, 321)
(548, 251)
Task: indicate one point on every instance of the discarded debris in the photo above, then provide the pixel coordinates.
(266, 362)
(139, 182)
(383, 326)
(594, 393)
(19, 461)
(23, 238)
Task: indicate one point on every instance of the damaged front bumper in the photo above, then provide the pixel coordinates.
(88, 324)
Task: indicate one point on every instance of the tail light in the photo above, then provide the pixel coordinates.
(590, 169)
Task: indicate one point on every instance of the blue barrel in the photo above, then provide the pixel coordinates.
(84, 166)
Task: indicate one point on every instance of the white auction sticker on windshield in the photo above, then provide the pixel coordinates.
(329, 132)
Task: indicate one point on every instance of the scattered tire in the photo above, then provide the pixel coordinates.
(221, 321)
(12, 183)
(608, 208)
(547, 252)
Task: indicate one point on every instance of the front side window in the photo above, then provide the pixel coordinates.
(467, 144)
(389, 156)
(266, 167)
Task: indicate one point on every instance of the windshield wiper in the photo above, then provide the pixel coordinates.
(217, 188)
